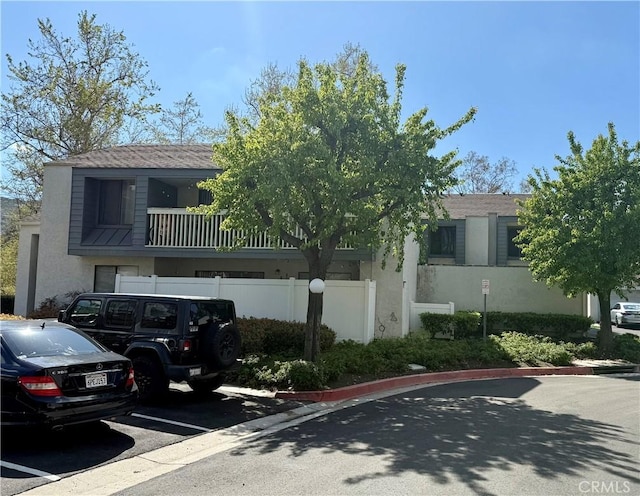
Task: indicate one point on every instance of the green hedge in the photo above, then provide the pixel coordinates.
(460, 325)
(278, 337)
(558, 326)
(468, 324)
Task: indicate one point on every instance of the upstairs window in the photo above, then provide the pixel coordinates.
(442, 242)
(117, 201)
(513, 251)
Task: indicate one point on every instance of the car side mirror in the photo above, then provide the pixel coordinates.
(61, 315)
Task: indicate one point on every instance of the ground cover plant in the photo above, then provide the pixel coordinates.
(347, 362)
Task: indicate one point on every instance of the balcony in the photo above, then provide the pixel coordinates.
(177, 228)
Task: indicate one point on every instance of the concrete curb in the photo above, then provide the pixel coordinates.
(348, 392)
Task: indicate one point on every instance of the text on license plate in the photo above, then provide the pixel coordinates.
(96, 380)
(193, 372)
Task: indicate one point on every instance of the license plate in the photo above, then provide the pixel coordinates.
(193, 372)
(96, 380)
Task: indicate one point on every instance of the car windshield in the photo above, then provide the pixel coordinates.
(30, 343)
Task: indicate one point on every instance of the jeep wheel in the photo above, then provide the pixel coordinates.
(205, 386)
(222, 346)
(149, 378)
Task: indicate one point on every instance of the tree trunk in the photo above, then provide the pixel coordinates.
(605, 336)
(318, 266)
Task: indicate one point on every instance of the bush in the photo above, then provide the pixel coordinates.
(7, 303)
(559, 326)
(278, 337)
(533, 350)
(50, 307)
(627, 347)
(461, 325)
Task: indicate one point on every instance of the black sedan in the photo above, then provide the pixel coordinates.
(55, 375)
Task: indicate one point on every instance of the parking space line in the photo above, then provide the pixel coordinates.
(172, 422)
(29, 470)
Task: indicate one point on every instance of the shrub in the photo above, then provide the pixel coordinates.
(559, 326)
(533, 350)
(7, 303)
(627, 347)
(437, 323)
(278, 337)
(50, 307)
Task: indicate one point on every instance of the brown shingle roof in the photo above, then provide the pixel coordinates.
(460, 207)
(145, 156)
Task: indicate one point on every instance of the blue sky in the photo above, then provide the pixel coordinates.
(534, 70)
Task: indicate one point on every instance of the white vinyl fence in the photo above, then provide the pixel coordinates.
(348, 306)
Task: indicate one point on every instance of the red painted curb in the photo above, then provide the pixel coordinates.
(348, 392)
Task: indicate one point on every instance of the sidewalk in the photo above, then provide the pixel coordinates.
(580, 367)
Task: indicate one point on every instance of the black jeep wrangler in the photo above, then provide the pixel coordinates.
(168, 338)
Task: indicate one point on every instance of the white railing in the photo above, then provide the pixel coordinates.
(175, 227)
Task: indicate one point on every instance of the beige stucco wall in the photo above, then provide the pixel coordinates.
(511, 289)
(477, 241)
(394, 290)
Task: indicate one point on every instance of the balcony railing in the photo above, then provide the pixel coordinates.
(177, 228)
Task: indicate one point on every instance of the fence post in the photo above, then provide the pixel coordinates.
(291, 301)
(369, 310)
(216, 286)
(154, 284)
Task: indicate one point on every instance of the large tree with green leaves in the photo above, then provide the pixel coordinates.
(325, 159)
(581, 230)
(73, 95)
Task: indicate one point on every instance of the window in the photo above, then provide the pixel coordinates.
(442, 242)
(120, 313)
(158, 315)
(513, 251)
(85, 313)
(117, 201)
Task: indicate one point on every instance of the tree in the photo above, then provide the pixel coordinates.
(73, 96)
(327, 161)
(581, 230)
(182, 124)
(478, 175)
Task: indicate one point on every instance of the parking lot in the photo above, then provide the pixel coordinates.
(28, 461)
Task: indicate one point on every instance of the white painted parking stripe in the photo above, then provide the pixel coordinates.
(29, 470)
(172, 422)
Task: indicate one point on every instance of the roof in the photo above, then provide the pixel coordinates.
(144, 157)
(469, 205)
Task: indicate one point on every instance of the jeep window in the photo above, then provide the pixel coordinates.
(120, 313)
(85, 312)
(158, 315)
(204, 312)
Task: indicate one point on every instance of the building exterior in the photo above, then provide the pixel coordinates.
(124, 211)
(476, 244)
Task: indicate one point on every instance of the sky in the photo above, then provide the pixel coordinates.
(534, 70)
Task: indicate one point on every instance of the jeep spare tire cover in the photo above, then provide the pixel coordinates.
(221, 345)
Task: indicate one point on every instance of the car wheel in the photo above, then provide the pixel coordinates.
(149, 378)
(222, 346)
(205, 386)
